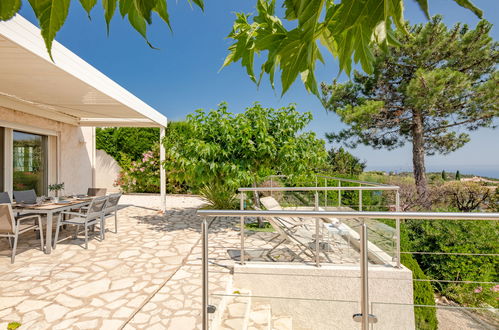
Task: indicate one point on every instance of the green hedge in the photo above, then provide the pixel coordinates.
(131, 141)
(426, 317)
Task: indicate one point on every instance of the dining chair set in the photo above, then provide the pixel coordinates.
(99, 208)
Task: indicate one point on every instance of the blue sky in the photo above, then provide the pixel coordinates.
(183, 75)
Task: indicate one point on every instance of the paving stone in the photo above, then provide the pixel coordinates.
(90, 289)
(68, 301)
(54, 312)
(29, 305)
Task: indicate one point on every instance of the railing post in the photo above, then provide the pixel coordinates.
(271, 185)
(364, 277)
(204, 234)
(325, 193)
(241, 206)
(339, 193)
(397, 227)
(360, 198)
(317, 232)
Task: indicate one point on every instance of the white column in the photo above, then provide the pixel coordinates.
(8, 171)
(162, 173)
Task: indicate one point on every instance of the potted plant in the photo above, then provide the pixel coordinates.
(56, 187)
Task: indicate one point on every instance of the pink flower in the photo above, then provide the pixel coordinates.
(495, 288)
(142, 169)
(478, 289)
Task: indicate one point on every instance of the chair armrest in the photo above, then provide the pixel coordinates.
(27, 217)
(73, 213)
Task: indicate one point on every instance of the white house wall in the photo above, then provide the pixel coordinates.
(71, 149)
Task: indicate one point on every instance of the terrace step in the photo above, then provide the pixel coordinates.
(241, 313)
(237, 312)
(260, 317)
(282, 323)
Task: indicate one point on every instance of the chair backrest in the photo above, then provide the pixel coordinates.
(25, 196)
(96, 191)
(5, 198)
(96, 207)
(6, 219)
(112, 202)
(270, 203)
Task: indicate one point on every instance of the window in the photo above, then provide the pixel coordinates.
(29, 162)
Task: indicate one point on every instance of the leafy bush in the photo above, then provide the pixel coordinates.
(426, 317)
(126, 143)
(140, 176)
(242, 149)
(219, 196)
(458, 237)
(466, 196)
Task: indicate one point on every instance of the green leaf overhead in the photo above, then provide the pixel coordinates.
(51, 14)
(289, 39)
(348, 29)
(8, 8)
(88, 5)
(109, 9)
(469, 5)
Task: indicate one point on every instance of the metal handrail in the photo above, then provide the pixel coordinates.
(352, 214)
(318, 188)
(352, 180)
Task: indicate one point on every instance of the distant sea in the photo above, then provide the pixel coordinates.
(485, 171)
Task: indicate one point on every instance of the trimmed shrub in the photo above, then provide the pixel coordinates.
(425, 317)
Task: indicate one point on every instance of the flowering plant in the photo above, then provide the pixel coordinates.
(140, 175)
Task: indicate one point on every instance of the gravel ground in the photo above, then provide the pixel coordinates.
(455, 319)
(153, 201)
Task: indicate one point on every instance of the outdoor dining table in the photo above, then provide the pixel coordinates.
(49, 209)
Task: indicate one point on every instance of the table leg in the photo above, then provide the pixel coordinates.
(48, 236)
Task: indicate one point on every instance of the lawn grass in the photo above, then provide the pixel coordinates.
(267, 227)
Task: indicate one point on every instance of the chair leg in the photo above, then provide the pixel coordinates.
(75, 236)
(41, 234)
(13, 257)
(102, 228)
(57, 228)
(86, 237)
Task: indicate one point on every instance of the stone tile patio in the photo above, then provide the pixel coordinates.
(148, 275)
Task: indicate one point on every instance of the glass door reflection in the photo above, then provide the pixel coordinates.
(29, 157)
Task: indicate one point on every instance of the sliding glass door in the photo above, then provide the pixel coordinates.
(30, 162)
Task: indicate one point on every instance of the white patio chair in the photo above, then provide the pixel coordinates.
(112, 208)
(11, 227)
(93, 215)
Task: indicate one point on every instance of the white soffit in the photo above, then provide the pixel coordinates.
(68, 90)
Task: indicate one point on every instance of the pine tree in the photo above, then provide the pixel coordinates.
(439, 83)
(458, 176)
(444, 175)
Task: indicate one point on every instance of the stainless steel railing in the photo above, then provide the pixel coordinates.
(364, 317)
(340, 180)
(316, 206)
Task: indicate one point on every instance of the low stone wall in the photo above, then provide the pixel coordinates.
(107, 170)
(327, 297)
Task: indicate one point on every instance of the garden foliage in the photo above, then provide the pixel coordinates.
(126, 144)
(242, 149)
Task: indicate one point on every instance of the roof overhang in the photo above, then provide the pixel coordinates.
(69, 89)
